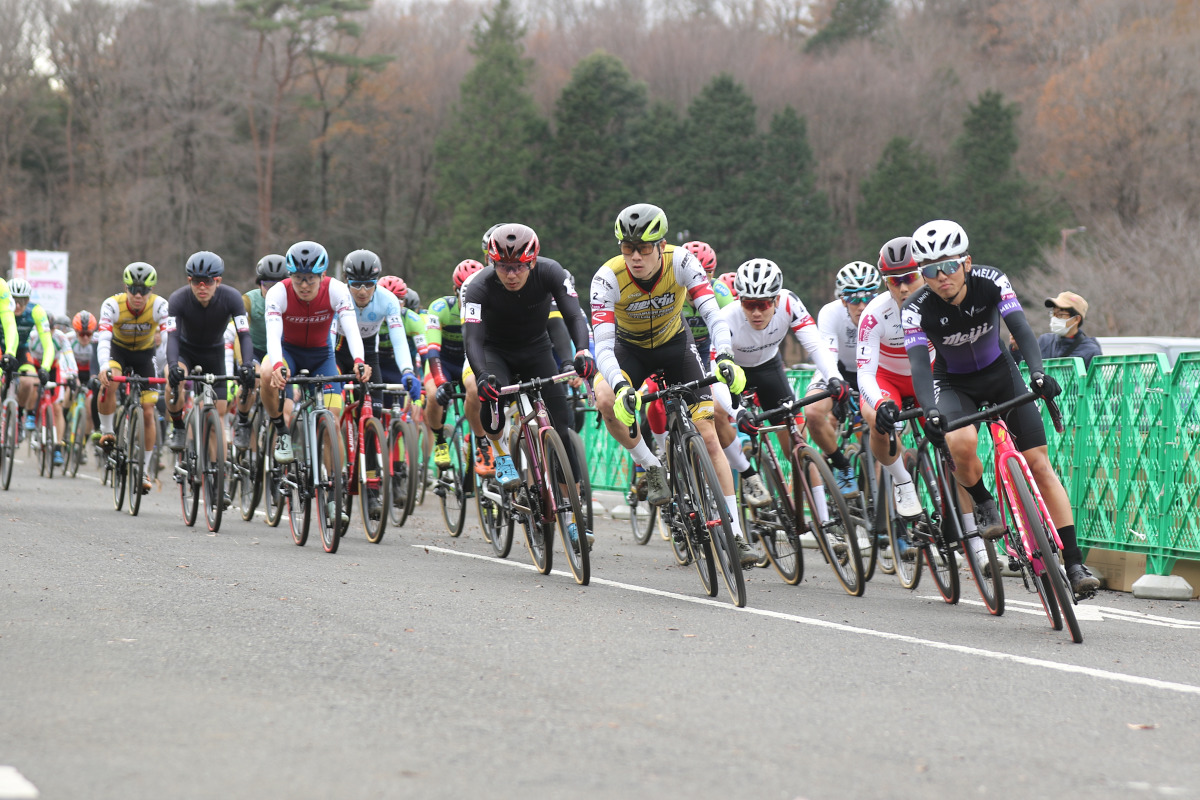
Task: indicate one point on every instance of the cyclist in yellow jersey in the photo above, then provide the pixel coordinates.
(8, 320)
(130, 330)
(637, 315)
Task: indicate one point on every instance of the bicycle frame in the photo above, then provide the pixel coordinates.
(1006, 453)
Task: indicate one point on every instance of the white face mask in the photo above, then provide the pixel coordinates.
(1060, 327)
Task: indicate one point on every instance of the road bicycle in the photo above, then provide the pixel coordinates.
(124, 463)
(75, 437)
(366, 446)
(794, 513)
(1031, 539)
(316, 471)
(10, 428)
(200, 466)
(547, 496)
(697, 515)
(44, 437)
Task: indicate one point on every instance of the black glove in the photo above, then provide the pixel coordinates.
(585, 366)
(246, 375)
(444, 394)
(886, 417)
(488, 386)
(935, 425)
(746, 423)
(43, 377)
(1044, 385)
(8, 363)
(839, 388)
(176, 375)
(73, 384)
(94, 383)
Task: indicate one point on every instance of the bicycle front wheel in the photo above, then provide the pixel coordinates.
(715, 517)
(451, 486)
(297, 484)
(135, 453)
(1054, 571)
(187, 472)
(374, 488)
(8, 449)
(75, 440)
(776, 525)
(327, 483)
(834, 531)
(495, 520)
(402, 470)
(212, 467)
(936, 538)
(527, 503)
(861, 510)
(118, 460)
(583, 479)
(563, 498)
(47, 435)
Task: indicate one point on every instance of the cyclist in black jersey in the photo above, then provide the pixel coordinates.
(505, 311)
(197, 317)
(958, 311)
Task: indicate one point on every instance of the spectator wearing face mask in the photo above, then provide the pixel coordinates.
(1066, 339)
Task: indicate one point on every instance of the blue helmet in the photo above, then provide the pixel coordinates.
(307, 257)
(204, 265)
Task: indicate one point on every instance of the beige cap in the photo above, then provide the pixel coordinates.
(1070, 302)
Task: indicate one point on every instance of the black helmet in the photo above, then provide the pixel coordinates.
(271, 268)
(205, 265)
(362, 265)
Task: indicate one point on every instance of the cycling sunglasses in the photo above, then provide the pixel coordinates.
(511, 267)
(138, 289)
(858, 298)
(902, 280)
(644, 248)
(756, 304)
(199, 280)
(362, 284)
(948, 267)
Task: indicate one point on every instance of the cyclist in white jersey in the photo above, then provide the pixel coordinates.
(856, 283)
(884, 372)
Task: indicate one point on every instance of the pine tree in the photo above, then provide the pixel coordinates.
(850, 19)
(902, 192)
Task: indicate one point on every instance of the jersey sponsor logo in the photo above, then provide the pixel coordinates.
(605, 282)
(472, 312)
(969, 337)
(306, 320)
(136, 327)
(973, 310)
(866, 324)
(657, 303)
(241, 323)
(601, 316)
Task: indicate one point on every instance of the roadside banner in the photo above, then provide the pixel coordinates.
(46, 271)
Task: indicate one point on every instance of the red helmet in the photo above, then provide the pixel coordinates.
(464, 270)
(395, 285)
(514, 243)
(896, 257)
(707, 256)
(84, 323)
(728, 278)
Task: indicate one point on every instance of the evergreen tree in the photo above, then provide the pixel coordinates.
(902, 192)
(791, 222)
(850, 19)
(1002, 213)
(597, 117)
(488, 155)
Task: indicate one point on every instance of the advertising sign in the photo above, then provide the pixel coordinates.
(46, 271)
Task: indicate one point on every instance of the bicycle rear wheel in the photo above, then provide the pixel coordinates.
(775, 524)
(943, 566)
(451, 486)
(835, 536)
(272, 476)
(861, 509)
(565, 506)
(247, 467)
(497, 523)
(527, 504)
(47, 435)
(424, 458)
(374, 488)
(403, 446)
(584, 480)
(212, 467)
(135, 451)
(687, 514)
(297, 484)
(907, 558)
(328, 487)
(9, 448)
(1054, 573)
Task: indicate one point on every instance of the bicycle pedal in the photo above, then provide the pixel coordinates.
(440, 491)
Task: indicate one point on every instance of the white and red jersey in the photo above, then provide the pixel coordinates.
(881, 352)
(296, 323)
(753, 348)
(836, 325)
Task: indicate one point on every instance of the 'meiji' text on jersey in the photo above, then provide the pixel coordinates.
(966, 337)
(753, 348)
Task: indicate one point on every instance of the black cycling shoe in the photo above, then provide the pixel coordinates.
(1083, 583)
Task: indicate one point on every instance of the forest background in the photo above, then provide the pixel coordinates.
(1063, 134)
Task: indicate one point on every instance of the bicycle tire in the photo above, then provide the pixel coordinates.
(584, 480)
(212, 467)
(374, 484)
(298, 495)
(779, 535)
(1054, 571)
(834, 537)
(75, 445)
(47, 434)
(939, 558)
(537, 539)
(119, 475)
(861, 507)
(424, 458)
(721, 537)
(135, 451)
(899, 534)
(496, 522)
(10, 423)
(247, 481)
(272, 474)
(328, 487)
(187, 470)
(566, 509)
(687, 516)
(451, 488)
(413, 468)
(642, 526)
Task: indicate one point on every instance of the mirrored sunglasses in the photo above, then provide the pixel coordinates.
(645, 248)
(948, 267)
(757, 304)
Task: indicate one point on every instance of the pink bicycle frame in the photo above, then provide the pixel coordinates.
(1007, 453)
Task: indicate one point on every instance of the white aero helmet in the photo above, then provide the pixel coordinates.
(858, 276)
(939, 240)
(758, 278)
(19, 287)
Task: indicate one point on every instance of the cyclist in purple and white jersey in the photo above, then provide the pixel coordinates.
(958, 311)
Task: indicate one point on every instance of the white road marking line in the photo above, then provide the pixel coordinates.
(1116, 677)
(1090, 613)
(14, 785)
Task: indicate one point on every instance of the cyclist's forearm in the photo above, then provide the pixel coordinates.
(1018, 326)
(922, 375)
(10, 333)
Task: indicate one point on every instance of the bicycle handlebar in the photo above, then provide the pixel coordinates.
(137, 379)
(537, 383)
(792, 405)
(680, 388)
(988, 412)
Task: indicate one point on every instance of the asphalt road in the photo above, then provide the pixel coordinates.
(143, 659)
